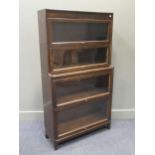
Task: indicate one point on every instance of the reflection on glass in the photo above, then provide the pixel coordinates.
(69, 58)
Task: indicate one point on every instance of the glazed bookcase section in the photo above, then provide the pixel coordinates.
(73, 31)
(82, 88)
(64, 58)
(82, 118)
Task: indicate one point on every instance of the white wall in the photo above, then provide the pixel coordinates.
(122, 54)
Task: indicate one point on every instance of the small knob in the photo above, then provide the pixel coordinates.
(110, 16)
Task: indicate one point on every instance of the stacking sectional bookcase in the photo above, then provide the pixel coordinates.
(77, 76)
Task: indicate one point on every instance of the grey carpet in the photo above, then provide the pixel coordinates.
(119, 140)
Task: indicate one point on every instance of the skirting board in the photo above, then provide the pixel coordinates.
(116, 114)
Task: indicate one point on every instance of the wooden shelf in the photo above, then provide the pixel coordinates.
(79, 44)
(80, 95)
(75, 66)
(83, 70)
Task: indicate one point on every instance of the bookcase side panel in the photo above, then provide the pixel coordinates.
(46, 80)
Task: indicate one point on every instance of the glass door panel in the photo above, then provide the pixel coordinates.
(75, 31)
(82, 88)
(81, 116)
(78, 57)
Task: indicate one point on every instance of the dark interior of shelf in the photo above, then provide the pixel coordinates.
(78, 89)
(83, 115)
(70, 31)
(69, 58)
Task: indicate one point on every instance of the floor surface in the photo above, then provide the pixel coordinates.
(119, 140)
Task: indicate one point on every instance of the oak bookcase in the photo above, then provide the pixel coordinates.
(77, 76)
